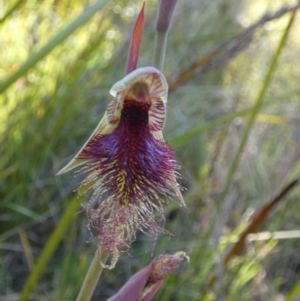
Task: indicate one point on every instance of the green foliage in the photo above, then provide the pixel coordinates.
(58, 62)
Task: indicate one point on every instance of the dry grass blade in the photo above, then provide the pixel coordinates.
(229, 50)
(259, 218)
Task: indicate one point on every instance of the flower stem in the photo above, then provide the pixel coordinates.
(161, 39)
(164, 17)
(92, 276)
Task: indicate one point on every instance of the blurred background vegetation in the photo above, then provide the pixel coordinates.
(216, 66)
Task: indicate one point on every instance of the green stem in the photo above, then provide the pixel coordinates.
(161, 39)
(92, 276)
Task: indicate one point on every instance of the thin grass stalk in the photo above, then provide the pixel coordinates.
(253, 114)
(27, 248)
(93, 275)
(259, 218)
(220, 141)
(49, 249)
(294, 293)
(14, 7)
(256, 109)
(223, 53)
(52, 43)
(208, 126)
(256, 221)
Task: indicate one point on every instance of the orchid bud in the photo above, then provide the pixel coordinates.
(165, 13)
(144, 284)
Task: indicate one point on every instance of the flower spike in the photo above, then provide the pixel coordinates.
(129, 170)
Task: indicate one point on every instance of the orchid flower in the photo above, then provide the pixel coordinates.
(128, 167)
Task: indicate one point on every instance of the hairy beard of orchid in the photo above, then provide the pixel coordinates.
(129, 169)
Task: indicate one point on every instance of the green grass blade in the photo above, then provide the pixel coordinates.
(294, 293)
(23, 210)
(52, 43)
(256, 109)
(208, 126)
(11, 10)
(49, 249)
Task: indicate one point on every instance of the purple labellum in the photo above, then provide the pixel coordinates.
(131, 163)
(134, 169)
